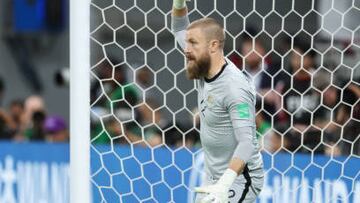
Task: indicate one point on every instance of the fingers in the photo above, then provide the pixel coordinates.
(208, 199)
(202, 190)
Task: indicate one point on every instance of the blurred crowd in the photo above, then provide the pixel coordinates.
(301, 106)
(27, 120)
(120, 112)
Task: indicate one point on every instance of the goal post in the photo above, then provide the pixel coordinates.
(80, 101)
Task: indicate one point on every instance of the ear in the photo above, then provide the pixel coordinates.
(214, 46)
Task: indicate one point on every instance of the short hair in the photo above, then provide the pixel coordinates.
(211, 28)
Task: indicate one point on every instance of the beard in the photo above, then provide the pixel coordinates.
(197, 68)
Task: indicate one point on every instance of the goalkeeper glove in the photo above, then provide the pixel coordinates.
(179, 4)
(218, 193)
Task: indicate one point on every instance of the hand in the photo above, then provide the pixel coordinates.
(215, 193)
(218, 193)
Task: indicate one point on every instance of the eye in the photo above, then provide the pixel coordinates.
(191, 41)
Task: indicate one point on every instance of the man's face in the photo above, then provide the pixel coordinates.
(252, 55)
(197, 54)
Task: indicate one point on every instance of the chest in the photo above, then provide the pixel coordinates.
(213, 112)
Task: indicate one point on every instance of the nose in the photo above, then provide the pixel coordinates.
(186, 49)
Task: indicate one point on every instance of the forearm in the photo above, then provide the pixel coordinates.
(179, 12)
(244, 149)
(237, 165)
(179, 8)
(179, 21)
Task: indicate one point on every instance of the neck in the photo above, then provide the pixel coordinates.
(217, 63)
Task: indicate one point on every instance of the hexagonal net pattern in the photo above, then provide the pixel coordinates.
(303, 56)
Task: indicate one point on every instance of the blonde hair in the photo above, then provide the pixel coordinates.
(211, 29)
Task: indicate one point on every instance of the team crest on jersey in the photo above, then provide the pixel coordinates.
(210, 100)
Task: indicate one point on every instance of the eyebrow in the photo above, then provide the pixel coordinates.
(191, 40)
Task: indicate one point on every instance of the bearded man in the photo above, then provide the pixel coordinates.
(226, 101)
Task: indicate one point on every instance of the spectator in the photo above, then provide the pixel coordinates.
(118, 96)
(55, 129)
(33, 119)
(35, 131)
(299, 98)
(32, 104)
(144, 77)
(342, 133)
(114, 83)
(259, 68)
(16, 113)
(300, 102)
(126, 90)
(257, 64)
(6, 126)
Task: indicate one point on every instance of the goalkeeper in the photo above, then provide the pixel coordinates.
(226, 102)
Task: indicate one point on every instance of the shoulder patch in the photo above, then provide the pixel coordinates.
(243, 110)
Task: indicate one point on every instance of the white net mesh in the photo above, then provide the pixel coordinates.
(304, 58)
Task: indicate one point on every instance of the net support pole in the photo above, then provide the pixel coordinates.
(80, 101)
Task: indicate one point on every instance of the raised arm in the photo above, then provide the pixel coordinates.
(180, 21)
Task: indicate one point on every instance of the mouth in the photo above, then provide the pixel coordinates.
(190, 58)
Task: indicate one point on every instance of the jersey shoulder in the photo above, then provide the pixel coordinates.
(238, 84)
(235, 77)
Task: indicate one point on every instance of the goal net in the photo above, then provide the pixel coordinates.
(303, 56)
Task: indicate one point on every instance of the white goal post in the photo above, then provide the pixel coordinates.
(80, 101)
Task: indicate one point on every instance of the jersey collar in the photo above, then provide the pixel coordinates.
(217, 75)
